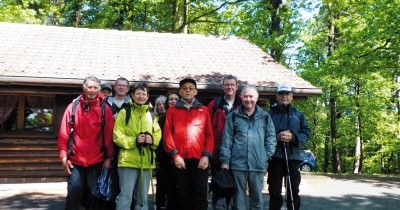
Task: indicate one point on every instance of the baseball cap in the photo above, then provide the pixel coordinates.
(187, 79)
(284, 88)
(106, 86)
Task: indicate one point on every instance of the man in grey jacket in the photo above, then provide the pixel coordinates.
(248, 143)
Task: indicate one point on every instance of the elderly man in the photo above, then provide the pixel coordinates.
(188, 139)
(292, 133)
(248, 143)
(89, 123)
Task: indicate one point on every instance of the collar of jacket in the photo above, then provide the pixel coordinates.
(141, 108)
(279, 108)
(99, 100)
(258, 112)
(222, 101)
(111, 99)
(181, 104)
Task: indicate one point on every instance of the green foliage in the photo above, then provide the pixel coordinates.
(357, 69)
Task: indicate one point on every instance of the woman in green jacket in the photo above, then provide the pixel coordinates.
(137, 135)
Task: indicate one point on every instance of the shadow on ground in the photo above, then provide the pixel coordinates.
(33, 201)
(351, 202)
(42, 201)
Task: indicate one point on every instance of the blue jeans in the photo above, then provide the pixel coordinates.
(82, 184)
(132, 180)
(255, 182)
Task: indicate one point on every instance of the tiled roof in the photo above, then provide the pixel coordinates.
(59, 55)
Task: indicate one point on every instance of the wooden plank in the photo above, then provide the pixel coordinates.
(30, 167)
(26, 174)
(20, 141)
(28, 154)
(26, 147)
(29, 160)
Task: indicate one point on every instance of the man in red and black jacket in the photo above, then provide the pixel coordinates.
(188, 139)
(92, 146)
(219, 108)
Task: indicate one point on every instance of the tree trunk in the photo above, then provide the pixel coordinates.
(333, 112)
(276, 51)
(335, 153)
(359, 140)
(78, 14)
(185, 16)
(326, 155)
(398, 113)
(174, 12)
(144, 16)
(56, 17)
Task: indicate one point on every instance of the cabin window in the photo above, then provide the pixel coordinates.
(20, 112)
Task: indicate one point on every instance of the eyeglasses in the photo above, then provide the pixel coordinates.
(229, 85)
(284, 94)
(188, 88)
(121, 85)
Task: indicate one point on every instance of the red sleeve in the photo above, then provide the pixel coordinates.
(63, 134)
(209, 147)
(108, 131)
(169, 143)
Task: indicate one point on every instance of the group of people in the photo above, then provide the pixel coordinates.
(183, 139)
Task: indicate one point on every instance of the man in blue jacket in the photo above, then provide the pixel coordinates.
(292, 132)
(248, 142)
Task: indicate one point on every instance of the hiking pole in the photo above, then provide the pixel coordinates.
(151, 178)
(287, 178)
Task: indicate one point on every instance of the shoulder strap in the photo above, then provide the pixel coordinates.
(71, 122)
(216, 104)
(127, 113)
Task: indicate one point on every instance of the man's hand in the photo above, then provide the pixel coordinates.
(107, 163)
(203, 163)
(225, 166)
(285, 136)
(67, 166)
(179, 162)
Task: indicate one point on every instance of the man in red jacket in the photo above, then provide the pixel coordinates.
(219, 108)
(188, 138)
(92, 146)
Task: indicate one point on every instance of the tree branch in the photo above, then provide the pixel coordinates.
(376, 49)
(196, 19)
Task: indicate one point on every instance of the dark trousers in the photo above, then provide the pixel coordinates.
(166, 192)
(218, 201)
(276, 172)
(192, 186)
(82, 184)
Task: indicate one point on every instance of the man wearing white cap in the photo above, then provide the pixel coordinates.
(292, 132)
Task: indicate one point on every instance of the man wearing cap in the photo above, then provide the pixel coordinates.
(188, 139)
(292, 132)
(106, 89)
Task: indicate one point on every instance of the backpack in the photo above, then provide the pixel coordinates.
(71, 122)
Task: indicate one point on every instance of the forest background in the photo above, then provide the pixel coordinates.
(348, 48)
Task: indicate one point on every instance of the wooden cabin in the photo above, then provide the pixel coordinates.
(42, 69)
